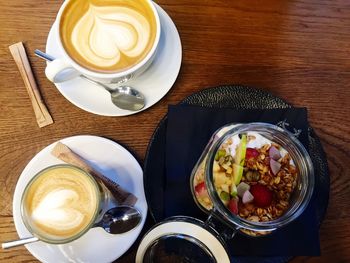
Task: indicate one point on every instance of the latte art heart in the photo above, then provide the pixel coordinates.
(57, 209)
(105, 34)
(108, 36)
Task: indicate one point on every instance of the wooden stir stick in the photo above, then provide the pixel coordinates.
(64, 153)
(19, 54)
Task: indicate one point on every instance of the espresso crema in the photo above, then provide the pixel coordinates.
(108, 36)
(61, 202)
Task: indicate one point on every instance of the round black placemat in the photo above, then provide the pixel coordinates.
(234, 97)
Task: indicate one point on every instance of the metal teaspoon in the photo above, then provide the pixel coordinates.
(117, 220)
(120, 219)
(124, 97)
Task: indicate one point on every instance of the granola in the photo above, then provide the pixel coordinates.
(253, 177)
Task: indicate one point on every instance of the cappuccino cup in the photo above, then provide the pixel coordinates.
(61, 203)
(111, 41)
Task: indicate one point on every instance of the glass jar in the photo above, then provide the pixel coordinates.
(184, 238)
(298, 198)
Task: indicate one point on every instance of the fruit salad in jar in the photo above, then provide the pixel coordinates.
(253, 176)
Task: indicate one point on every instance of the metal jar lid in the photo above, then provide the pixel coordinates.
(182, 239)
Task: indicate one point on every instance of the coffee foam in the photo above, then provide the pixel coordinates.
(103, 34)
(61, 202)
(109, 36)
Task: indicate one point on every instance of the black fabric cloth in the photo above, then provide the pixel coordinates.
(188, 132)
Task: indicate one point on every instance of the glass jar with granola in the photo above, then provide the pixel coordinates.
(254, 177)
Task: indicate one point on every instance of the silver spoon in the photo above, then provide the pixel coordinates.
(117, 220)
(120, 219)
(124, 97)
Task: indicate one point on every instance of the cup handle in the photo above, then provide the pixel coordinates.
(59, 70)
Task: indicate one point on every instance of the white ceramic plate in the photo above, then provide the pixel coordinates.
(154, 83)
(96, 245)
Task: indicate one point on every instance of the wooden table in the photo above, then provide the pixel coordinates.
(298, 50)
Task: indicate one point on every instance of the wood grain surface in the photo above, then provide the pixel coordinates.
(298, 50)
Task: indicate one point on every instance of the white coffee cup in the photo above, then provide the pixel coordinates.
(66, 67)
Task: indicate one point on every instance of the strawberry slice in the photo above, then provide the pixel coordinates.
(200, 189)
(233, 205)
(251, 153)
(262, 195)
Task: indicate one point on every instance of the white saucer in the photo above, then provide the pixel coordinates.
(96, 245)
(154, 83)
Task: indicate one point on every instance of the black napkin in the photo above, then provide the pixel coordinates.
(188, 132)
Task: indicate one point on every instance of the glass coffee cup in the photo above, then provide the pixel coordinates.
(61, 203)
(264, 221)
